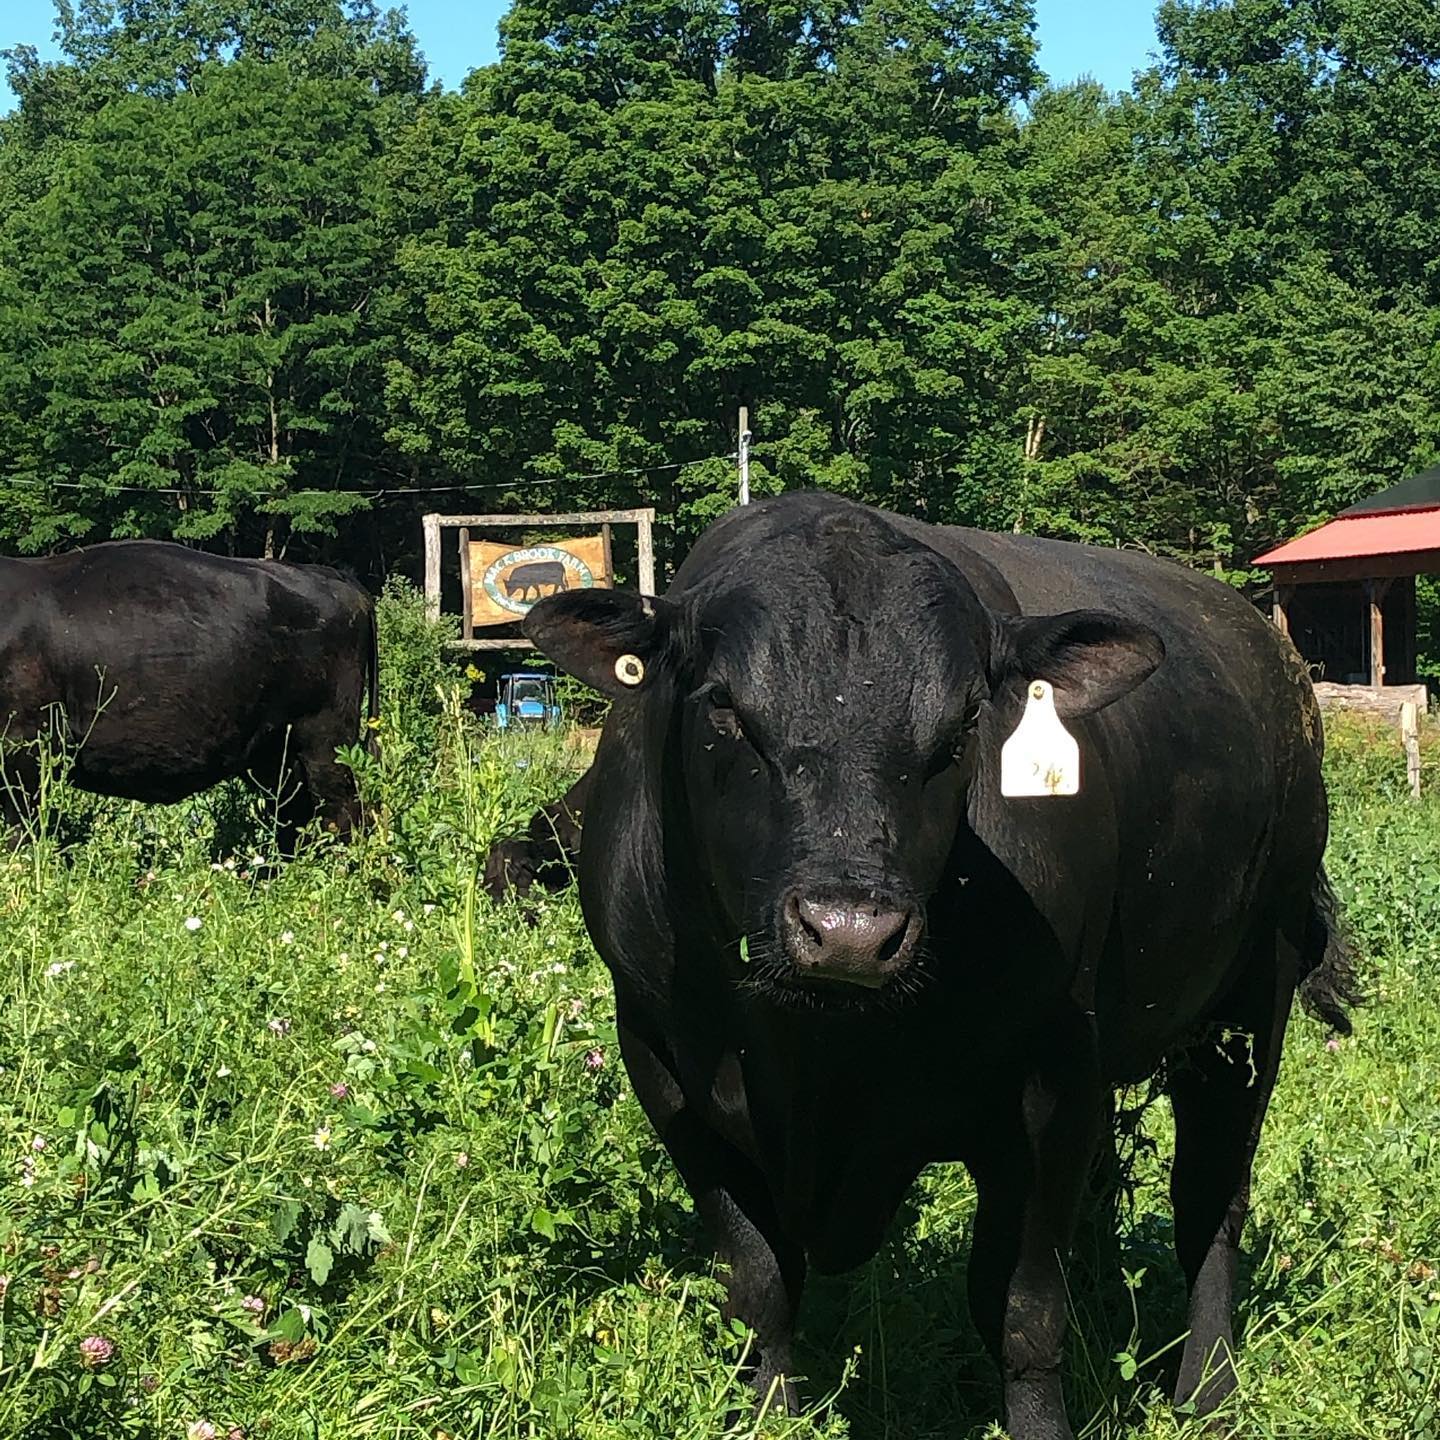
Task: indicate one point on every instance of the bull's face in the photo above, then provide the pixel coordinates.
(825, 692)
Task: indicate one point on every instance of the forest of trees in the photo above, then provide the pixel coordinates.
(262, 287)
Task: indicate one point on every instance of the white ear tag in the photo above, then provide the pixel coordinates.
(1042, 756)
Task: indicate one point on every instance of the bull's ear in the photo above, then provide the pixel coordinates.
(611, 640)
(1090, 657)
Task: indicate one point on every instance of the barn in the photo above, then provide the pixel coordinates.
(1345, 592)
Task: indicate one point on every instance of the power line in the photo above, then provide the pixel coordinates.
(378, 493)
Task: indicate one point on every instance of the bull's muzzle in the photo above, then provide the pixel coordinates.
(846, 940)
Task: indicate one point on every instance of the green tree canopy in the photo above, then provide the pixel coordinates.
(636, 222)
(188, 312)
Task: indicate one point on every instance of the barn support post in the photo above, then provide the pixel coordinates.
(432, 566)
(467, 607)
(647, 552)
(1280, 608)
(1375, 598)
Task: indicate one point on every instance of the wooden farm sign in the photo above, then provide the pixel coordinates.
(500, 582)
(506, 580)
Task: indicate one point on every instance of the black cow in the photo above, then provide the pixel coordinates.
(544, 854)
(532, 577)
(839, 953)
(170, 670)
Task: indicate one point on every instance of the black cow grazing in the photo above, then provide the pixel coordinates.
(173, 670)
(840, 953)
(544, 854)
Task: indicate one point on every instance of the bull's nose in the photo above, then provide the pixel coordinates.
(861, 943)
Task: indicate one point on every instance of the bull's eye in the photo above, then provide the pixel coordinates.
(722, 713)
(955, 749)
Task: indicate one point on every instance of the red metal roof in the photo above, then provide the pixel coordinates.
(1356, 536)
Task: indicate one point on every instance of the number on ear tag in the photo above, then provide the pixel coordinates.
(1042, 756)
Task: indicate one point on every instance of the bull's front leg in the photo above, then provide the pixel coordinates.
(1030, 1172)
(763, 1270)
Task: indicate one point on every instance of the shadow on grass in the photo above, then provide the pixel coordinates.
(923, 1370)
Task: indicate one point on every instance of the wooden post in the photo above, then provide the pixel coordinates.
(647, 554)
(743, 454)
(1375, 594)
(1280, 608)
(609, 556)
(1410, 735)
(467, 605)
(432, 566)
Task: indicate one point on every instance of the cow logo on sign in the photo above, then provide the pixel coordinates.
(515, 580)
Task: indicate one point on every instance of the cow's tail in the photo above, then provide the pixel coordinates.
(1330, 984)
(372, 685)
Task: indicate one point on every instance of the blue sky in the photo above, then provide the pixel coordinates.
(1107, 39)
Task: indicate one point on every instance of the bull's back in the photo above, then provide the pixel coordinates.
(1215, 811)
(1227, 672)
(170, 665)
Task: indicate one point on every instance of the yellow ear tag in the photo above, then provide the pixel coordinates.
(629, 669)
(1042, 756)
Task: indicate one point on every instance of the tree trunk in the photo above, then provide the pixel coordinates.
(1034, 438)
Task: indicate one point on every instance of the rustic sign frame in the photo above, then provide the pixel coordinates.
(643, 520)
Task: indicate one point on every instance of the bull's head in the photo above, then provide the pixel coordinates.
(825, 682)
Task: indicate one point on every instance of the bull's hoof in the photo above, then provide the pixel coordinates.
(774, 1394)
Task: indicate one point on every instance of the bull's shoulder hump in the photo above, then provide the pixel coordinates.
(956, 543)
(1052, 575)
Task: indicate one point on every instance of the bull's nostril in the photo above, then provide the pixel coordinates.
(895, 941)
(808, 919)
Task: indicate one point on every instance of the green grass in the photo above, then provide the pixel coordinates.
(479, 1236)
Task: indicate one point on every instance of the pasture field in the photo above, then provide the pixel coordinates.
(338, 1149)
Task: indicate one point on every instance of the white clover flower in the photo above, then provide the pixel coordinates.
(57, 969)
(287, 937)
(193, 923)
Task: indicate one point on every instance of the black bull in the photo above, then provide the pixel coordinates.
(839, 953)
(169, 670)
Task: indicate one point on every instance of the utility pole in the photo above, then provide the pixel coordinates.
(743, 454)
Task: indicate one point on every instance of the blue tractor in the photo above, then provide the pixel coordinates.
(527, 699)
